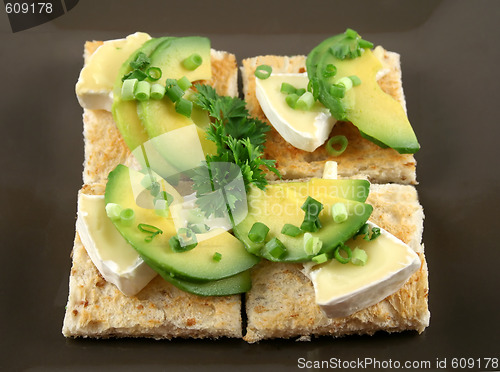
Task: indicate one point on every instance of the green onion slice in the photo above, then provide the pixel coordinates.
(157, 91)
(184, 107)
(275, 248)
(364, 230)
(359, 257)
(346, 82)
(149, 229)
(291, 100)
(305, 102)
(142, 90)
(127, 216)
(113, 211)
(312, 244)
(287, 88)
(330, 70)
(263, 71)
(312, 207)
(339, 212)
(337, 91)
(184, 83)
(339, 257)
(173, 90)
(128, 89)
(355, 80)
(337, 140)
(258, 232)
(322, 258)
(291, 230)
(217, 257)
(154, 73)
(192, 62)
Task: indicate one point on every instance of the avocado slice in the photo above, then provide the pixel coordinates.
(239, 283)
(159, 116)
(125, 112)
(195, 265)
(378, 116)
(281, 203)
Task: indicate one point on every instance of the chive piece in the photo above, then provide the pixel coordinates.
(364, 230)
(355, 80)
(192, 62)
(127, 216)
(142, 90)
(258, 232)
(141, 61)
(154, 73)
(287, 88)
(300, 91)
(275, 248)
(198, 228)
(346, 82)
(359, 257)
(154, 190)
(149, 229)
(217, 257)
(330, 70)
(128, 89)
(312, 244)
(291, 230)
(365, 44)
(184, 241)
(350, 33)
(305, 102)
(336, 140)
(263, 71)
(322, 258)
(157, 91)
(339, 212)
(339, 257)
(184, 83)
(291, 100)
(136, 74)
(173, 91)
(184, 107)
(312, 207)
(375, 233)
(113, 211)
(338, 91)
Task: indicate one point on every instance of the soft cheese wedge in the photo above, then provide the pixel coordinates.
(305, 130)
(94, 88)
(343, 289)
(115, 259)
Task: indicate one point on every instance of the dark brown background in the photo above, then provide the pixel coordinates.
(450, 54)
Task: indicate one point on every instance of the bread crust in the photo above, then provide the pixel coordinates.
(362, 158)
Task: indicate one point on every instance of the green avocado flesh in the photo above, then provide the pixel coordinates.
(195, 265)
(377, 115)
(281, 203)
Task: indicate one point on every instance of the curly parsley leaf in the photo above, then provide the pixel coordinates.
(240, 140)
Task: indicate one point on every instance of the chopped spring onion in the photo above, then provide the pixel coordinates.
(359, 257)
(300, 91)
(128, 89)
(184, 241)
(339, 212)
(311, 225)
(184, 107)
(173, 91)
(113, 210)
(292, 99)
(263, 71)
(192, 62)
(198, 228)
(154, 189)
(136, 74)
(291, 230)
(157, 91)
(336, 140)
(312, 244)
(287, 88)
(142, 90)
(184, 83)
(149, 229)
(141, 61)
(365, 44)
(339, 257)
(322, 258)
(154, 73)
(350, 33)
(364, 230)
(375, 233)
(258, 232)
(330, 70)
(312, 207)
(338, 91)
(355, 80)
(217, 257)
(346, 82)
(127, 216)
(305, 102)
(275, 248)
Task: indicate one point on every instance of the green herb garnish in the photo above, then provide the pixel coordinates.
(350, 45)
(149, 229)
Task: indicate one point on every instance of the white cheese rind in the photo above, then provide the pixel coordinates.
(319, 122)
(343, 303)
(115, 259)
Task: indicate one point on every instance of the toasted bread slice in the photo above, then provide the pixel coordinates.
(362, 158)
(104, 145)
(97, 308)
(281, 303)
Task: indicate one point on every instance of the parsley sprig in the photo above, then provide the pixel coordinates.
(240, 140)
